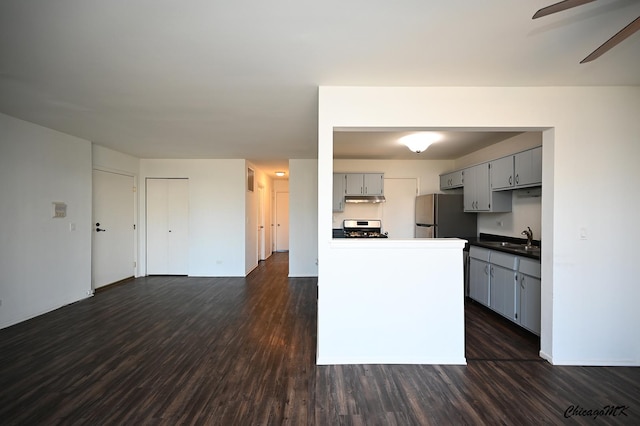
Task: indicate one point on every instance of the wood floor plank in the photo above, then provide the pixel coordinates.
(241, 351)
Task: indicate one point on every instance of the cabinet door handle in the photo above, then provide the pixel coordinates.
(522, 282)
(486, 269)
(510, 180)
(492, 271)
(517, 179)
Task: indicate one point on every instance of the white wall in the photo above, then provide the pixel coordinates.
(114, 161)
(43, 263)
(303, 218)
(388, 301)
(590, 179)
(217, 223)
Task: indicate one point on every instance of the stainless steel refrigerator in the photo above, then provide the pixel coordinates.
(443, 216)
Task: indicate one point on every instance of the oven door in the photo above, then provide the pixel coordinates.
(425, 231)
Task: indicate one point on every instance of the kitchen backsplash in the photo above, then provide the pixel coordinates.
(357, 211)
(526, 211)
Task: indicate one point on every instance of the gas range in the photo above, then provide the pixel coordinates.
(357, 228)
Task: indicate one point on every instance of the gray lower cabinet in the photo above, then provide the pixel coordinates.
(479, 274)
(503, 272)
(508, 284)
(528, 295)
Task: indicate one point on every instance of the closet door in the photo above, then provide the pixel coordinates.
(167, 226)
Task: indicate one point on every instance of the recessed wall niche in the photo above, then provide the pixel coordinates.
(250, 179)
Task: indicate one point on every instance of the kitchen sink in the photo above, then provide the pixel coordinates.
(503, 244)
(513, 246)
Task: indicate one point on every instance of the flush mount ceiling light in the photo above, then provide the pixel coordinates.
(280, 174)
(418, 142)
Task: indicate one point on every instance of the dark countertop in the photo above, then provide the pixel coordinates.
(489, 241)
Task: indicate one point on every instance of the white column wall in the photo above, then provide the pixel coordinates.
(45, 262)
(303, 218)
(590, 179)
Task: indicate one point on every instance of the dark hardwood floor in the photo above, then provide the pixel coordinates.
(241, 351)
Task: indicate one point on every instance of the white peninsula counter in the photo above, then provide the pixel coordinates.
(386, 301)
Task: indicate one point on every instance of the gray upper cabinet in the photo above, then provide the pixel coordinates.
(452, 180)
(502, 173)
(338, 192)
(476, 188)
(520, 170)
(364, 183)
(478, 196)
(528, 168)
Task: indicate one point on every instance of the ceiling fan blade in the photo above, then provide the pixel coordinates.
(620, 36)
(559, 7)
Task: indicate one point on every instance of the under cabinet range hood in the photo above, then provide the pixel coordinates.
(364, 199)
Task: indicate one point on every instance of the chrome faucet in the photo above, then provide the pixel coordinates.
(529, 233)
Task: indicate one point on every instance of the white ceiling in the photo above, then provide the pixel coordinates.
(238, 79)
(384, 144)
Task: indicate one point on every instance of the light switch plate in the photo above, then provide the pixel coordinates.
(59, 209)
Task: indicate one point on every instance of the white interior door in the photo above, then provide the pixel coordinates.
(398, 212)
(282, 221)
(112, 257)
(167, 226)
